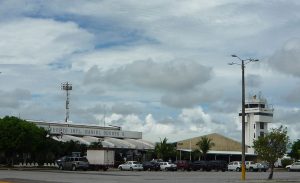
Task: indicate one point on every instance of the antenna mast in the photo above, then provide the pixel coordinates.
(67, 87)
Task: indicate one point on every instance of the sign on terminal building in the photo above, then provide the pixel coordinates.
(55, 128)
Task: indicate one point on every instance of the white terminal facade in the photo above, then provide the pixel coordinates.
(110, 137)
(258, 114)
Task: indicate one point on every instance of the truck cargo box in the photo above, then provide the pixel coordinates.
(101, 158)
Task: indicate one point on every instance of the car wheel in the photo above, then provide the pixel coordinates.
(120, 168)
(238, 169)
(131, 168)
(289, 169)
(73, 168)
(60, 167)
(251, 169)
(166, 169)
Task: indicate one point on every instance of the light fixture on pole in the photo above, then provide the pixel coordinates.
(242, 64)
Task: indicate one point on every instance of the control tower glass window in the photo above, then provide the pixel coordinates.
(262, 125)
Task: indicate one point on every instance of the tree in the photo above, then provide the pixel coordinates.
(295, 152)
(19, 138)
(204, 145)
(196, 153)
(96, 145)
(272, 146)
(164, 150)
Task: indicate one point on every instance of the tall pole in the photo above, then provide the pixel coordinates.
(243, 122)
(190, 150)
(67, 87)
(243, 63)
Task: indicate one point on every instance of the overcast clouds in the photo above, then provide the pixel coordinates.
(158, 67)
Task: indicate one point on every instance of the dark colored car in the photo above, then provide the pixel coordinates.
(199, 165)
(261, 167)
(184, 165)
(217, 165)
(151, 165)
(73, 163)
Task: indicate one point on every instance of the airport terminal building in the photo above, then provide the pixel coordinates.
(110, 137)
(258, 114)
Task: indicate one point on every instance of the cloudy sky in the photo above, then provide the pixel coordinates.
(159, 67)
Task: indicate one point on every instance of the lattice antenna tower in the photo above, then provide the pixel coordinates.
(67, 87)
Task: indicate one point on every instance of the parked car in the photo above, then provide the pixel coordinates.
(168, 166)
(265, 164)
(261, 167)
(151, 165)
(131, 165)
(251, 166)
(234, 166)
(73, 163)
(294, 167)
(217, 165)
(184, 165)
(60, 161)
(199, 165)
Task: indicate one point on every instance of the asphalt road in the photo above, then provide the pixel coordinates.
(56, 176)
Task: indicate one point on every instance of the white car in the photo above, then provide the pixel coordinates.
(167, 166)
(234, 166)
(251, 166)
(131, 165)
(294, 167)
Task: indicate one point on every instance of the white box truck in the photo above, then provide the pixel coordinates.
(101, 158)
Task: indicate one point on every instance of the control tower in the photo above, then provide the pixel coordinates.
(257, 116)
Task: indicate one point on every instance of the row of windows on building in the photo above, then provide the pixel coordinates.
(261, 125)
(261, 134)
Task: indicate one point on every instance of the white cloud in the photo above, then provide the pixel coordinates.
(119, 56)
(41, 41)
(169, 76)
(190, 122)
(13, 99)
(287, 59)
(167, 59)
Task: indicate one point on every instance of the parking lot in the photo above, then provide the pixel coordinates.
(115, 176)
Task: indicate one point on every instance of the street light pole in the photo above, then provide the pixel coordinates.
(243, 62)
(243, 123)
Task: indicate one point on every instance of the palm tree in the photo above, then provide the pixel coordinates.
(204, 145)
(164, 150)
(196, 153)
